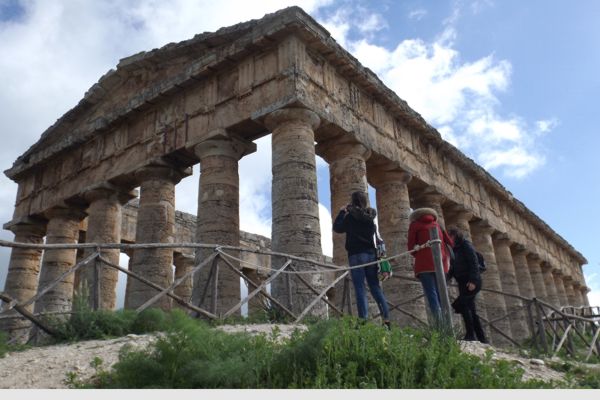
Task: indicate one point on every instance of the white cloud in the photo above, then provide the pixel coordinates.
(458, 97)
(55, 51)
(417, 14)
(544, 126)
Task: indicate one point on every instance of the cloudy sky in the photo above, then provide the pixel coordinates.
(513, 84)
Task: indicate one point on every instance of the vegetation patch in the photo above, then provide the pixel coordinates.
(342, 353)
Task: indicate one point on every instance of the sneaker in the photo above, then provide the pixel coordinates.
(387, 325)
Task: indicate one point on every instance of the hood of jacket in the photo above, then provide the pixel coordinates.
(363, 214)
(421, 212)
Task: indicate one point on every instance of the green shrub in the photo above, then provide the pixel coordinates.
(330, 354)
(3, 345)
(86, 324)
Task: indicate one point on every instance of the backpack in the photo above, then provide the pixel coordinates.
(480, 261)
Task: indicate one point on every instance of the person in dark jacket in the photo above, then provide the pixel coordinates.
(421, 221)
(465, 269)
(356, 220)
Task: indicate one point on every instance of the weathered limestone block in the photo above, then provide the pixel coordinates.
(218, 218)
(104, 226)
(393, 206)
(495, 304)
(156, 220)
(506, 268)
(63, 228)
(23, 273)
(295, 204)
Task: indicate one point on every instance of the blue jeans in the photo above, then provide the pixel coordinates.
(358, 279)
(431, 294)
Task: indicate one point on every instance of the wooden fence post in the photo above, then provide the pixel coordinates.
(542, 327)
(440, 276)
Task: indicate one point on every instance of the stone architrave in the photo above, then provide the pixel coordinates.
(551, 292)
(218, 219)
(459, 218)
(104, 226)
(295, 204)
(183, 264)
(519, 256)
(393, 207)
(23, 273)
(63, 228)
(155, 224)
(560, 287)
(495, 304)
(508, 277)
(537, 276)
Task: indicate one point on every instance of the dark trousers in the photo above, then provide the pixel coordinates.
(465, 305)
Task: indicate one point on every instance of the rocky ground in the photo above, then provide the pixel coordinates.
(47, 367)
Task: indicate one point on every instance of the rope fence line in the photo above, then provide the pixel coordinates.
(547, 321)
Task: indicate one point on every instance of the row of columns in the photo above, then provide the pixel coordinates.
(295, 228)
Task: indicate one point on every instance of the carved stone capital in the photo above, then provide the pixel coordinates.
(287, 115)
(340, 148)
(482, 227)
(459, 213)
(502, 238)
(519, 248)
(380, 178)
(29, 226)
(161, 170)
(72, 213)
(106, 191)
(221, 143)
(429, 197)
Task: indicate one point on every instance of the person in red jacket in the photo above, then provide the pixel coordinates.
(421, 220)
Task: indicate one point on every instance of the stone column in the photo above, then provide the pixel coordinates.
(295, 203)
(560, 287)
(508, 277)
(537, 276)
(519, 256)
(551, 293)
(431, 199)
(572, 300)
(218, 219)
(63, 228)
(494, 303)
(23, 271)
(104, 226)
(393, 206)
(155, 224)
(584, 291)
(347, 174)
(183, 263)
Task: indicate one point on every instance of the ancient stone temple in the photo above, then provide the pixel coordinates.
(205, 100)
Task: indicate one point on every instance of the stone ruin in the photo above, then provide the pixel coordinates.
(205, 100)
